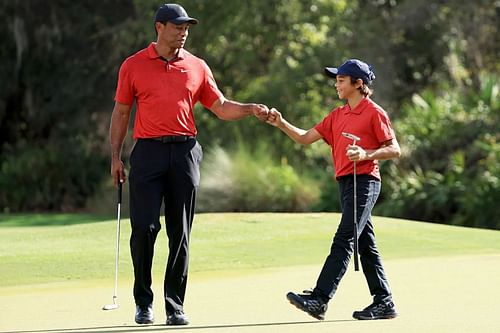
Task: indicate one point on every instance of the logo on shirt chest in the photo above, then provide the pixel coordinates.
(180, 80)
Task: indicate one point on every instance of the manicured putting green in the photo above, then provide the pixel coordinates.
(57, 278)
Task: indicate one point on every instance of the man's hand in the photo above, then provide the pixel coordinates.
(260, 111)
(274, 118)
(117, 171)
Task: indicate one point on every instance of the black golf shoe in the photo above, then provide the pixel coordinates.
(309, 302)
(144, 314)
(177, 318)
(377, 310)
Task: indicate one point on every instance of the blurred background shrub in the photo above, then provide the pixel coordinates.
(253, 181)
(437, 71)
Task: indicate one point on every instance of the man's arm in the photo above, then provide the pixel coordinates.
(296, 134)
(226, 109)
(388, 150)
(117, 131)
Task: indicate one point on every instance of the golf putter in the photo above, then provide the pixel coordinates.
(117, 253)
(354, 138)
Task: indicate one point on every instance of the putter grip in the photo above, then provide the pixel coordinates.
(119, 192)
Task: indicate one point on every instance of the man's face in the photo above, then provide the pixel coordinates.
(173, 35)
(345, 89)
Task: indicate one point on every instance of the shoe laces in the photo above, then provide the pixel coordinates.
(313, 302)
(379, 306)
(373, 306)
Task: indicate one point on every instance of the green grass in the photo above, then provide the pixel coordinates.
(27, 220)
(44, 252)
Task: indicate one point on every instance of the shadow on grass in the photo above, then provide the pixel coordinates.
(160, 327)
(49, 219)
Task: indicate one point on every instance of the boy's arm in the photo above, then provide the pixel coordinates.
(296, 134)
(388, 150)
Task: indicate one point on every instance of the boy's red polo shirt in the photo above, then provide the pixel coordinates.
(369, 122)
(165, 92)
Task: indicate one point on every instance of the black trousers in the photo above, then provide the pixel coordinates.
(168, 173)
(368, 189)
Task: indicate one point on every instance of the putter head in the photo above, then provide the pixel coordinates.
(351, 136)
(110, 306)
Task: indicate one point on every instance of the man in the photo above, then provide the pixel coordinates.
(165, 81)
(365, 119)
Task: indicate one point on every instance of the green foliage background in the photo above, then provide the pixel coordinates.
(437, 75)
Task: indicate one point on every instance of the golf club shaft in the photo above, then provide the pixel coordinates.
(356, 263)
(115, 293)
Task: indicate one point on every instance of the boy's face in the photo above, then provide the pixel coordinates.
(345, 89)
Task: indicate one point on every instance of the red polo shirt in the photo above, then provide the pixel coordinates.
(165, 92)
(369, 122)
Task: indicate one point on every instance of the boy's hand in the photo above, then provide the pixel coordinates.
(274, 118)
(355, 153)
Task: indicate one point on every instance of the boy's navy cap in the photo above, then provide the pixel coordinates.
(354, 68)
(174, 13)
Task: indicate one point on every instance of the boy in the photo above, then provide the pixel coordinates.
(365, 119)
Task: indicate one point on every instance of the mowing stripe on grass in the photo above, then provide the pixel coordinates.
(31, 255)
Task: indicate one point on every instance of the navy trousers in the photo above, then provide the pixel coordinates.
(368, 189)
(163, 172)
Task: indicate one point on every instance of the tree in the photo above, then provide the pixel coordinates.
(55, 68)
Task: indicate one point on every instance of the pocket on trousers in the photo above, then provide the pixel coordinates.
(197, 152)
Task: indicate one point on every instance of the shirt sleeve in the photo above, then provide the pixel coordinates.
(325, 128)
(210, 92)
(383, 127)
(124, 90)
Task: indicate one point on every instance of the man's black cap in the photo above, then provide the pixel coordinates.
(174, 13)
